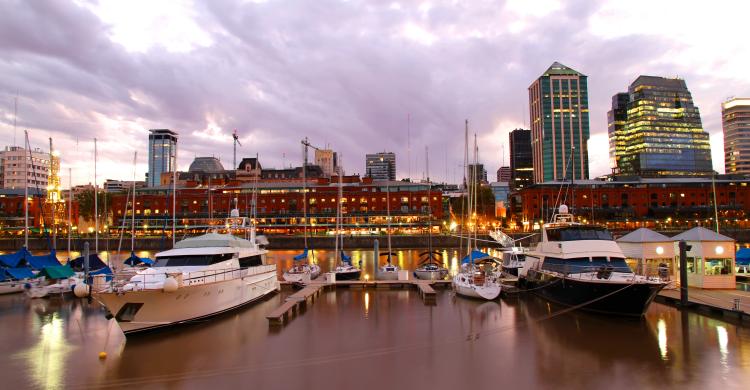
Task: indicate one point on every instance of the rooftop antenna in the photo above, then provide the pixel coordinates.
(15, 114)
(236, 142)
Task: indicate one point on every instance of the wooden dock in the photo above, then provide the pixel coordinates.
(295, 303)
(730, 304)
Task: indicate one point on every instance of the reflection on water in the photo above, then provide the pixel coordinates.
(376, 339)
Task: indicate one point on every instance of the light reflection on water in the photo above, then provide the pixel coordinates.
(46, 360)
(662, 334)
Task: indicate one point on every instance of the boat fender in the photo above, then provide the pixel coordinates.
(81, 290)
(27, 286)
(170, 284)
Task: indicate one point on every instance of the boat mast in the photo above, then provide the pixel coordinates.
(388, 217)
(429, 209)
(132, 211)
(174, 195)
(464, 200)
(70, 206)
(304, 190)
(26, 191)
(96, 206)
(476, 189)
(338, 213)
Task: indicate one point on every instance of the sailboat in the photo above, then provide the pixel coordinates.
(478, 275)
(430, 268)
(303, 270)
(388, 271)
(344, 270)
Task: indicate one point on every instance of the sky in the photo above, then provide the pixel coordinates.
(358, 76)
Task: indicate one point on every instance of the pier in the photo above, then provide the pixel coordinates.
(729, 304)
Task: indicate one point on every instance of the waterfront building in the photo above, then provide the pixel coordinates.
(17, 162)
(327, 160)
(559, 111)
(646, 250)
(735, 115)
(662, 135)
(616, 119)
(710, 260)
(503, 174)
(381, 166)
(480, 174)
(111, 185)
(162, 155)
(521, 161)
(249, 169)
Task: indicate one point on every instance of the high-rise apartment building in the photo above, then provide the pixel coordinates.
(326, 159)
(381, 166)
(20, 168)
(521, 161)
(503, 174)
(662, 135)
(735, 115)
(559, 111)
(616, 119)
(162, 154)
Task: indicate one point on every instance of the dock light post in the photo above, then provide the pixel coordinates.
(684, 247)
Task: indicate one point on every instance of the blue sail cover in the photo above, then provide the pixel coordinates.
(743, 256)
(40, 262)
(19, 273)
(101, 271)
(134, 260)
(95, 263)
(474, 256)
(345, 258)
(14, 259)
(301, 256)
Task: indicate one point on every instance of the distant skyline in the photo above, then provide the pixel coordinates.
(344, 74)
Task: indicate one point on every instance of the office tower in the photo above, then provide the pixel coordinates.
(15, 161)
(616, 119)
(559, 111)
(521, 162)
(735, 115)
(480, 174)
(663, 135)
(381, 166)
(503, 174)
(162, 154)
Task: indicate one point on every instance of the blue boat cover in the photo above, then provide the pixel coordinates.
(39, 262)
(134, 260)
(345, 258)
(301, 256)
(14, 259)
(19, 273)
(474, 256)
(743, 256)
(101, 271)
(95, 263)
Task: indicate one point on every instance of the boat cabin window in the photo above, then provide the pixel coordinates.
(585, 264)
(576, 233)
(251, 261)
(191, 260)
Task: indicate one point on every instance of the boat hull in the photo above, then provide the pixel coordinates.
(299, 277)
(348, 275)
(388, 275)
(12, 287)
(619, 298)
(431, 275)
(488, 292)
(138, 311)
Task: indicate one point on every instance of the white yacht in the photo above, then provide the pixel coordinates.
(581, 266)
(201, 277)
(301, 272)
(478, 277)
(514, 258)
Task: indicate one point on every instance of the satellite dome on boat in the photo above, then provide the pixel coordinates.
(563, 209)
(206, 164)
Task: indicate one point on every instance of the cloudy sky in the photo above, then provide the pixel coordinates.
(342, 73)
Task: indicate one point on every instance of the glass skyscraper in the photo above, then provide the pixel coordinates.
(381, 166)
(616, 119)
(735, 114)
(559, 111)
(521, 165)
(162, 154)
(662, 135)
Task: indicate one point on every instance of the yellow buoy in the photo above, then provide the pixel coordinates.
(102, 355)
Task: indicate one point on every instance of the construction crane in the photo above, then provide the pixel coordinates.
(236, 142)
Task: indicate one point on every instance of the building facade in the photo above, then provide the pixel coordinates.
(663, 135)
(735, 115)
(20, 168)
(475, 173)
(616, 119)
(521, 161)
(327, 160)
(559, 113)
(503, 174)
(162, 154)
(381, 166)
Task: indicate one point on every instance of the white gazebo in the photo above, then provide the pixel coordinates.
(645, 250)
(710, 261)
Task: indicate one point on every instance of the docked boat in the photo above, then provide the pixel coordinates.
(514, 258)
(56, 280)
(301, 272)
(345, 270)
(581, 266)
(478, 277)
(14, 280)
(200, 277)
(430, 268)
(388, 271)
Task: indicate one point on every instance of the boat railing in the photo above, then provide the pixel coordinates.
(607, 271)
(154, 280)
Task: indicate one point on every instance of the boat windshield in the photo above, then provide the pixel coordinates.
(576, 233)
(585, 264)
(191, 260)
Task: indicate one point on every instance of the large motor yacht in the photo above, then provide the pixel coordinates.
(200, 277)
(582, 266)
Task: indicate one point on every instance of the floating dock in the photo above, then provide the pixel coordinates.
(729, 304)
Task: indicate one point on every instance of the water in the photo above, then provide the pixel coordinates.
(374, 339)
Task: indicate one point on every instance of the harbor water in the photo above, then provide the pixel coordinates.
(374, 339)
